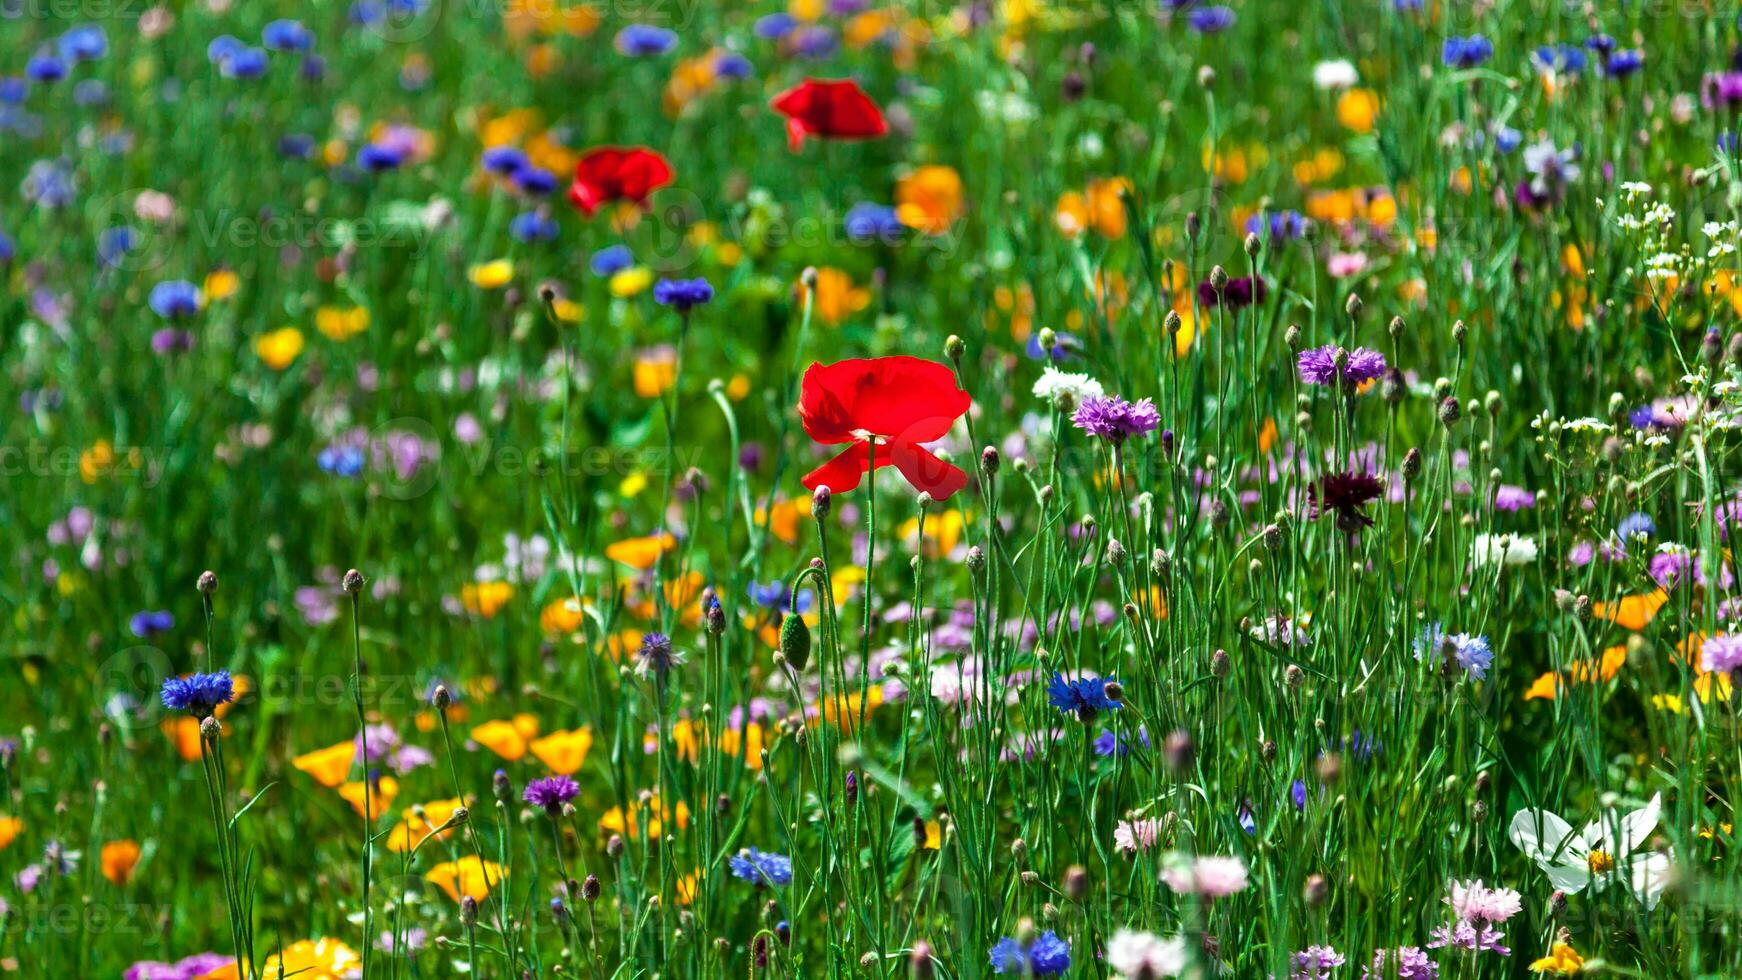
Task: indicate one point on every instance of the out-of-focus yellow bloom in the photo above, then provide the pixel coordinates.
(306, 959)
(1562, 961)
(631, 282)
(1358, 109)
(782, 519)
(220, 284)
(1101, 208)
(10, 828)
(562, 616)
(615, 821)
(279, 348)
(655, 371)
(413, 827)
(470, 876)
(341, 323)
(485, 599)
(381, 793)
(491, 275)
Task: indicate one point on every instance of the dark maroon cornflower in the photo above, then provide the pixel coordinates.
(1115, 419)
(1238, 293)
(1333, 366)
(1344, 494)
(551, 792)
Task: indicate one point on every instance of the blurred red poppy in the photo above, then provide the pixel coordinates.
(611, 173)
(898, 403)
(829, 110)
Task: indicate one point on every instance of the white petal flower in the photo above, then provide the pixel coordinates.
(1144, 954)
(1607, 851)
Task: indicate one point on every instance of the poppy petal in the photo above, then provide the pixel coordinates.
(842, 473)
(925, 471)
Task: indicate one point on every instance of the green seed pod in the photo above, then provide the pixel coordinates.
(795, 641)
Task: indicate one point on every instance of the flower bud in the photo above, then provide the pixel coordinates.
(795, 641)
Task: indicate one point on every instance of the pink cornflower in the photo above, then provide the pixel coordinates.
(1475, 902)
(1211, 877)
(1131, 836)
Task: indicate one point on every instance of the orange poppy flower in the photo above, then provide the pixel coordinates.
(563, 752)
(1632, 612)
(117, 859)
(10, 828)
(507, 739)
(328, 766)
(640, 553)
(381, 795)
(615, 821)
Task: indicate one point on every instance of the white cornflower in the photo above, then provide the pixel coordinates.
(1503, 549)
(1336, 74)
(1144, 954)
(1054, 383)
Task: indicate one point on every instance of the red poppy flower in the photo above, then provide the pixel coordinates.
(895, 402)
(611, 173)
(831, 110)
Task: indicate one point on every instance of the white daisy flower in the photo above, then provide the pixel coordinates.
(1609, 850)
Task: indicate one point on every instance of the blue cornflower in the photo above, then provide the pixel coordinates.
(1623, 63)
(174, 298)
(1470, 653)
(13, 90)
(45, 68)
(1644, 416)
(222, 48)
(773, 27)
(866, 221)
(776, 596)
(86, 42)
(244, 62)
(534, 181)
(1466, 52)
(762, 867)
(8, 248)
(1600, 43)
(1064, 345)
(1210, 20)
(682, 295)
(533, 226)
(1107, 743)
(505, 161)
(345, 461)
(1283, 226)
(287, 35)
(1297, 793)
(377, 157)
(815, 41)
(1084, 697)
(113, 244)
(151, 622)
(609, 261)
(90, 93)
(1507, 139)
(731, 64)
(313, 68)
(1047, 956)
(1565, 59)
(641, 40)
(296, 146)
(1635, 524)
(198, 694)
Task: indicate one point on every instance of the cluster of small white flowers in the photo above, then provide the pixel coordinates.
(1723, 235)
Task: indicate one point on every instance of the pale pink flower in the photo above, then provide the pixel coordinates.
(1132, 836)
(1212, 876)
(1474, 901)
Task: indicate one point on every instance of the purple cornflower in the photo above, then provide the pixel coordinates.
(1108, 744)
(1210, 20)
(1235, 294)
(1722, 654)
(1333, 366)
(188, 968)
(534, 181)
(657, 656)
(1478, 937)
(377, 157)
(1115, 419)
(198, 694)
(1402, 963)
(1315, 963)
(1512, 499)
(551, 793)
(171, 341)
(762, 867)
(682, 295)
(504, 161)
